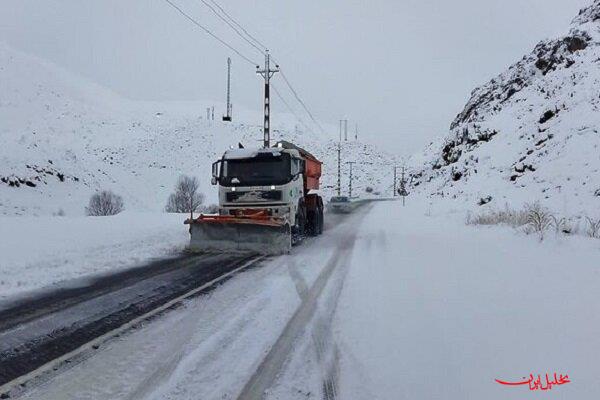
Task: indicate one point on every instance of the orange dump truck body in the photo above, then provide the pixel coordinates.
(312, 166)
(312, 173)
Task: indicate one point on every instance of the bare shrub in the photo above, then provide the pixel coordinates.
(593, 230)
(539, 219)
(210, 209)
(560, 224)
(513, 218)
(535, 219)
(186, 198)
(104, 203)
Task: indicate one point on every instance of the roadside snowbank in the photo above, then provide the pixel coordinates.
(38, 252)
(432, 308)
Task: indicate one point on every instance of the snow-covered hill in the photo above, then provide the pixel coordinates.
(531, 133)
(63, 138)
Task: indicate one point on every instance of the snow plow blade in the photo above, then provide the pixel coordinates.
(256, 234)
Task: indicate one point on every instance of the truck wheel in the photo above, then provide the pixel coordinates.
(300, 225)
(321, 221)
(312, 226)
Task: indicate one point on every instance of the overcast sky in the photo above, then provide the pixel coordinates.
(401, 69)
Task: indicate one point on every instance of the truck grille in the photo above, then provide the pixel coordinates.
(272, 195)
(233, 196)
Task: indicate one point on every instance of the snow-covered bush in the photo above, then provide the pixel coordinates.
(535, 219)
(59, 213)
(539, 219)
(560, 224)
(508, 216)
(186, 198)
(104, 203)
(593, 227)
(210, 209)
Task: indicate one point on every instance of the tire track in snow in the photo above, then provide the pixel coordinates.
(272, 364)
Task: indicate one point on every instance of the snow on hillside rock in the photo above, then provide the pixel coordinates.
(531, 133)
(63, 138)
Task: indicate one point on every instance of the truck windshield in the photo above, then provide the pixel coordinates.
(256, 171)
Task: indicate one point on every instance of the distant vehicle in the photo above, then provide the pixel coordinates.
(340, 205)
(339, 199)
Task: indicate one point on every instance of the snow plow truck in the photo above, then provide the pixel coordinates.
(265, 201)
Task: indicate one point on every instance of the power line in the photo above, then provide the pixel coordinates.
(294, 92)
(223, 42)
(297, 96)
(290, 109)
(238, 25)
(232, 26)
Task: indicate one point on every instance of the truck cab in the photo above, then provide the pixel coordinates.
(276, 181)
(267, 179)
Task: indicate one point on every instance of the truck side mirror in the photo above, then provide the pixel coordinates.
(215, 172)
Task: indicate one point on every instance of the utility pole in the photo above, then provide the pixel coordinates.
(345, 130)
(228, 116)
(395, 179)
(402, 191)
(267, 74)
(350, 183)
(356, 132)
(212, 112)
(339, 183)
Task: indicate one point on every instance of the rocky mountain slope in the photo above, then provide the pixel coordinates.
(531, 133)
(63, 138)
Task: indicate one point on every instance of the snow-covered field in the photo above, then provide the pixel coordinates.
(41, 252)
(435, 309)
(420, 307)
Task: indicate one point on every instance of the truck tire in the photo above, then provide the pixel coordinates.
(312, 227)
(301, 219)
(321, 220)
(314, 213)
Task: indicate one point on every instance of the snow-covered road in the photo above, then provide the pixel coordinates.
(211, 347)
(420, 306)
